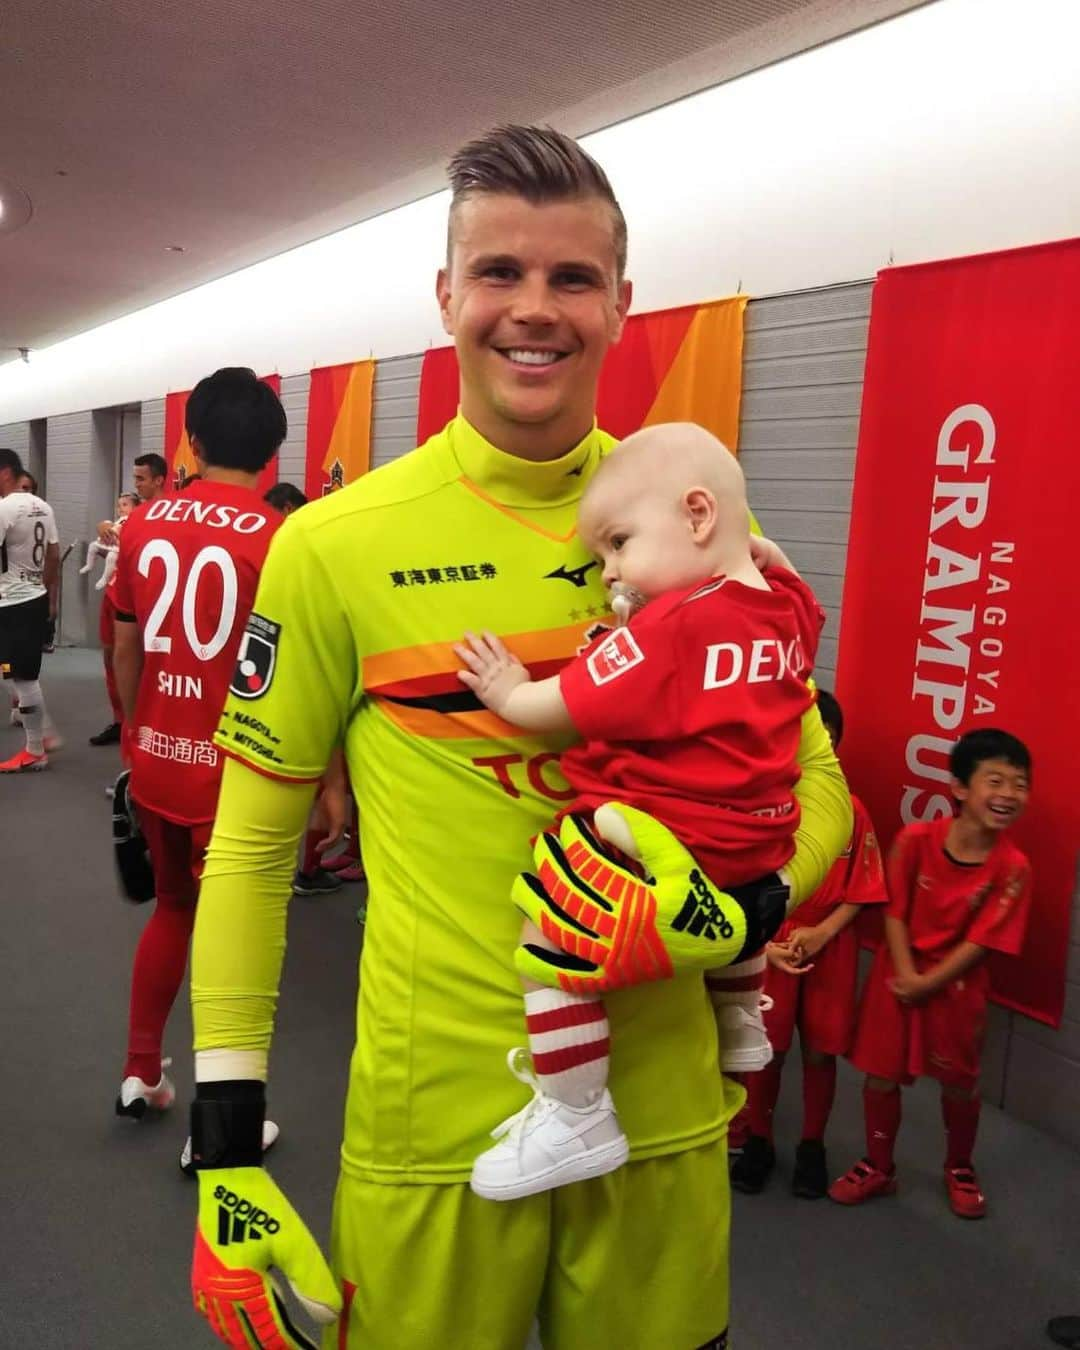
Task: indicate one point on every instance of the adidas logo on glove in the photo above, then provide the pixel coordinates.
(240, 1221)
(701, 915)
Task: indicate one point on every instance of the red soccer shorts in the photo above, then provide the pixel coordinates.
(941, 1038)
(822, 1003)
(177, 853)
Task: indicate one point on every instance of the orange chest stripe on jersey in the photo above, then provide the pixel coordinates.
(418, 689)
(513, 515)
(438, 661)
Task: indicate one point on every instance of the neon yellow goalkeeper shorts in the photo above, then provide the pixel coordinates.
(635, 1260)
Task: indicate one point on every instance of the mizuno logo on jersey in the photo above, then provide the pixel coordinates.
(576, 576)
(701, 915)
(241, 1221)
(257, 658)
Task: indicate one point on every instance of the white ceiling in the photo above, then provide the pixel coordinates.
(236, 129)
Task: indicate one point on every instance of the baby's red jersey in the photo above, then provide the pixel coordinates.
(944, 902)
(692, 713)
(187, 571)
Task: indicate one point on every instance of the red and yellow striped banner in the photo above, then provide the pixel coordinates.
(179, 456)
(338, 427)
(674, 365)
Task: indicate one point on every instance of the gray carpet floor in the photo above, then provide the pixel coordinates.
(96, 1219)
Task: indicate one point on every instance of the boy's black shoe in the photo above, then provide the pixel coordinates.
(1064, 1331)
(110, 736)
(811, 1178)
(319, 882)
(753, 1167)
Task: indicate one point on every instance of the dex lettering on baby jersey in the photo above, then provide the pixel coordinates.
(757, 662)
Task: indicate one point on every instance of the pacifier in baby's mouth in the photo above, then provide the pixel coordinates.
(626, 600)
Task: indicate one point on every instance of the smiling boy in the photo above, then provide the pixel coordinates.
(958, 890)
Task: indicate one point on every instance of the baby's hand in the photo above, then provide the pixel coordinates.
(766, 553)
(493, 672)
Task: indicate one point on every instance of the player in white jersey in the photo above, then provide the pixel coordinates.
(29, 574)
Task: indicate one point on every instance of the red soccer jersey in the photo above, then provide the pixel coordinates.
(945, 902)
(187, 571)
(857, 877)
(693, 714)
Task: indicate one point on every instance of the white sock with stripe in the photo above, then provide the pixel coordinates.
(568, 1041)
(32, 712)
(741, 983)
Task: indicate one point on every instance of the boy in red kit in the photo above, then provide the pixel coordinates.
(812, 981)
(958, 889)
(183, 589)
(150, 476)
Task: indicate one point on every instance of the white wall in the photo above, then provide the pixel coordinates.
(16, 437)
(72, 450)
(952, 129)
(152, 427)
(294, 399)
(36, 458)
(131, 423)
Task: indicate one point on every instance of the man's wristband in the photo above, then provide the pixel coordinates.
(227, 1123)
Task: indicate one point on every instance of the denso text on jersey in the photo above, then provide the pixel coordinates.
(214, 514)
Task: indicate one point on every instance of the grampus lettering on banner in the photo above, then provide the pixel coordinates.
(956, 671)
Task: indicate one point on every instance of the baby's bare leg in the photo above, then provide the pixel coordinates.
(109, 569)
(94, 550)
(531, 936)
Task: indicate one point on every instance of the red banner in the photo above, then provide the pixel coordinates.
(675, 365)
(958, 609)
(179, 456)
(438, 392)
(338, 427)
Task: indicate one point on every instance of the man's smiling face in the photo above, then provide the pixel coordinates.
(532, 299)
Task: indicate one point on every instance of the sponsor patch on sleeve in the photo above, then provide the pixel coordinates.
(614, 657)
(257, 658)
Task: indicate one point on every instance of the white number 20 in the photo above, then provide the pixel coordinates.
(212, 556)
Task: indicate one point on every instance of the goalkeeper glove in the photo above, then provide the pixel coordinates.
(615, 928)
(245, 1226)
(129, 845)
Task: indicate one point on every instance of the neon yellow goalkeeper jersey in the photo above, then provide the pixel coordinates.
(362, 597)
